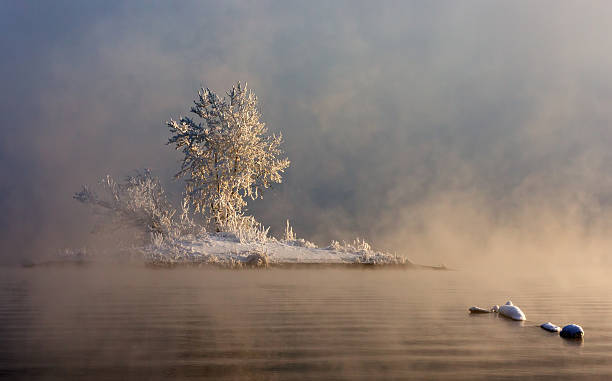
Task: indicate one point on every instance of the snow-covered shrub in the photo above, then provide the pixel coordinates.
(360, 245)
(291, 239)
(364, 252)
(245, 229)
(157, 239)
(335, 245)
(140, 201)
(379, 258)
(357, 246)
(186, 225)
(289, 234)
(228, 155)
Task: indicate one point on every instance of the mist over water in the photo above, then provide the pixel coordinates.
(133, 322)
(446, 132)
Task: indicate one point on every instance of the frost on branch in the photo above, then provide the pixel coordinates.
(140, 202)
(228, 155)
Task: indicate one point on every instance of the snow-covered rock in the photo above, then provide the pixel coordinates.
(478, 310)
(511, 311)
(550, 327)
(257, 260)
(572, 331)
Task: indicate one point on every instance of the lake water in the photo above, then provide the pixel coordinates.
(106, 322)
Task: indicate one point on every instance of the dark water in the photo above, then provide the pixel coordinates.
(137, 323)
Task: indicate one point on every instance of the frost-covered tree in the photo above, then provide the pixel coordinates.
(228, 154)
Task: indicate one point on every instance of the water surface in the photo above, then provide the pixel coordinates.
(111, 322)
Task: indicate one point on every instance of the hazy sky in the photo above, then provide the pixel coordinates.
(437, 129)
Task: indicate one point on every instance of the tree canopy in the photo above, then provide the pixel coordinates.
(228, 154)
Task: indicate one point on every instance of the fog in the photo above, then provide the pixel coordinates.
(446, 131)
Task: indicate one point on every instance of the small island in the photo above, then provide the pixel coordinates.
(228, 159)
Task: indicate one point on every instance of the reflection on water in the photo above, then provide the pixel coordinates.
(138, 323)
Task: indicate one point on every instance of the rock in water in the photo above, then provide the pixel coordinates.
(572, 331)
(478, 310)
(495, 308)
(550, 327)
(511, 311)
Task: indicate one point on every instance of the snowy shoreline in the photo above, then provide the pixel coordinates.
(225, 250)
